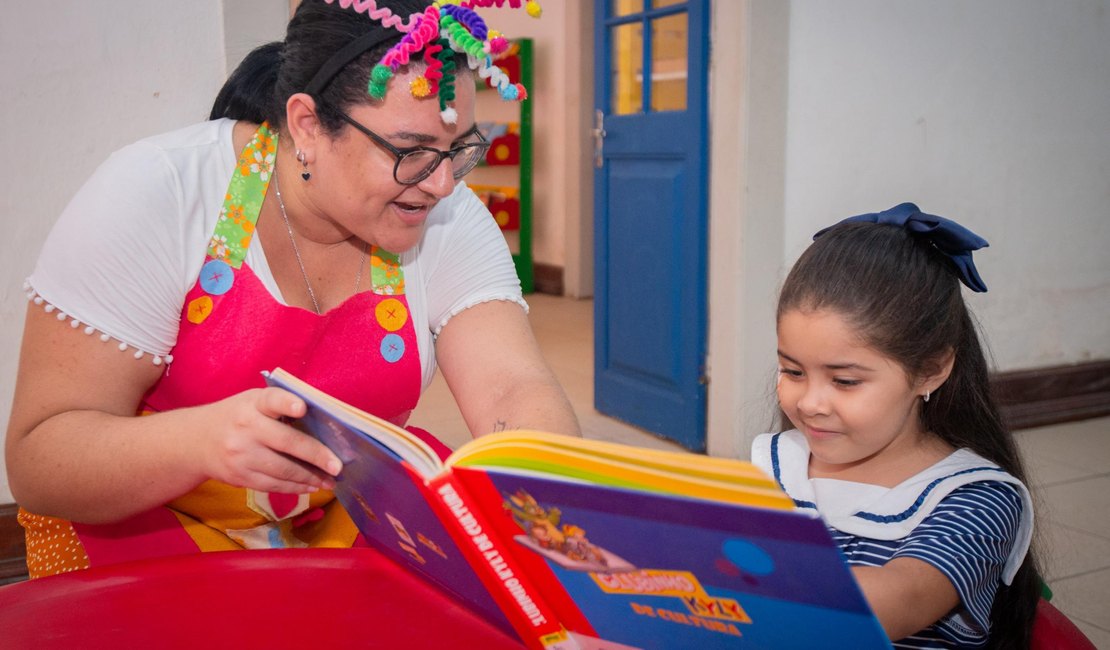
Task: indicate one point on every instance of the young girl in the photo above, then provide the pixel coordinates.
(897, 442)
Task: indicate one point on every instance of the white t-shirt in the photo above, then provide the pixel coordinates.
(130, 244)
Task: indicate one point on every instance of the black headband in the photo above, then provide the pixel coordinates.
(348, 53)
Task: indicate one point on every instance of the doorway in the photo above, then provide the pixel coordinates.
(651, 215)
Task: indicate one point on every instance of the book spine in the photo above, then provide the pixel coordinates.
(532, 618)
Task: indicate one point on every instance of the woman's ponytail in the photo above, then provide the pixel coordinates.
(248, 94)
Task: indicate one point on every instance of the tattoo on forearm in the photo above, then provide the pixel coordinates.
(500, 425)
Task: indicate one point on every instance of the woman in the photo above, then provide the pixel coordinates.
(342, 249)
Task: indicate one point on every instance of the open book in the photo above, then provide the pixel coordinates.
(574, 543)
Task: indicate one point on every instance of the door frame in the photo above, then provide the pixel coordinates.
(747, 188)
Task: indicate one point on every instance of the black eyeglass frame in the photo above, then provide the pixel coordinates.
(402, 152)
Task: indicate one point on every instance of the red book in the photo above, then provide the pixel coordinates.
(574, 543)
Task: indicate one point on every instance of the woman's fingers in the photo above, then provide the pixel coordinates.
(254, 448)
(279, 473)
(275, 403)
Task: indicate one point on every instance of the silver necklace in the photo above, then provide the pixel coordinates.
(297, 251)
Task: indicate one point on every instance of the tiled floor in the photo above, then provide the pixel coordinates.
(1069, 465)
(1070, 471)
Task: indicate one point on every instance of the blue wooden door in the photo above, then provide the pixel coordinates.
(651, 215)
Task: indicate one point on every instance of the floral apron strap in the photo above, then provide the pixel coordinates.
(246, 191)
(243, 202)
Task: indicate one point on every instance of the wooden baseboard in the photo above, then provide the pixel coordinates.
(1028, 398)
(13, 552)
(1052, 395)
(547, 278)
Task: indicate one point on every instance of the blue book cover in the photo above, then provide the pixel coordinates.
(388, 502)
(627, 568)
(394, 488)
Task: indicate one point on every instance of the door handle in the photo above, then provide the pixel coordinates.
(599, 137)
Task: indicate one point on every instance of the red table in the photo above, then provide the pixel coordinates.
(304, 599)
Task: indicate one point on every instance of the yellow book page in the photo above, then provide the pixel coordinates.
(574, 464)
(679, 463)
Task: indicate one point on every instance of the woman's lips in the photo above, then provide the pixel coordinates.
(413, 214)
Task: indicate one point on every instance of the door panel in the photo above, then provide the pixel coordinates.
(651, 216)
(643, 279)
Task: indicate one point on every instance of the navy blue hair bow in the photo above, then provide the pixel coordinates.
(946, 235)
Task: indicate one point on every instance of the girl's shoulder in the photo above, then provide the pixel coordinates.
(861, 510)
(896, 512)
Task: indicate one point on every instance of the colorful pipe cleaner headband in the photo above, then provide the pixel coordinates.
(437, 34)
(947, 236)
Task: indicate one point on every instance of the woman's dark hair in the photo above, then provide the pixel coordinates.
(258, 89)
(903, 298)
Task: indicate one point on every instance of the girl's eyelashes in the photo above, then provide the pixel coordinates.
(844, 382)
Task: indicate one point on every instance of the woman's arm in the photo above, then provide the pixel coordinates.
(906, 594)
(76, 450)
(497, 374)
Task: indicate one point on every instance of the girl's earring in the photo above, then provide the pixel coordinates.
(301, 159)
(926, 396)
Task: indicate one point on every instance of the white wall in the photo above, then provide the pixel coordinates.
(82, 79)
(995, 113)
(250, 23)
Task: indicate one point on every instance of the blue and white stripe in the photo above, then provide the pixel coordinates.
(967, 538)
(964, 516)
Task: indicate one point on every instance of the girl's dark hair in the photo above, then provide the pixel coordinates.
(258, 89)
(903, 298)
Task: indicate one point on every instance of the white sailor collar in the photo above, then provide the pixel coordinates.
(885, 514)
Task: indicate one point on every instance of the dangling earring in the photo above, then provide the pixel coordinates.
(926, 396)
(301, 159)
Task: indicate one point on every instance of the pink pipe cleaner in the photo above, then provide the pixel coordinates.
(531, 6)
(425, 31)
(434, 71)
(383, 14)
(515, 4)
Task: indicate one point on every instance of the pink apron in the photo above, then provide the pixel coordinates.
(364, 352)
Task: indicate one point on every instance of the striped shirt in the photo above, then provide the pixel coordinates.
(967, 538)
(962, 516)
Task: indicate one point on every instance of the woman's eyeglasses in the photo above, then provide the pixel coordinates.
(414, 164)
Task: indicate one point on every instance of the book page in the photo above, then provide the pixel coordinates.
(616, 465)
(684, 463)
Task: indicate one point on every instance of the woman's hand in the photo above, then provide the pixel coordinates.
(76, 449)
(249, 446)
